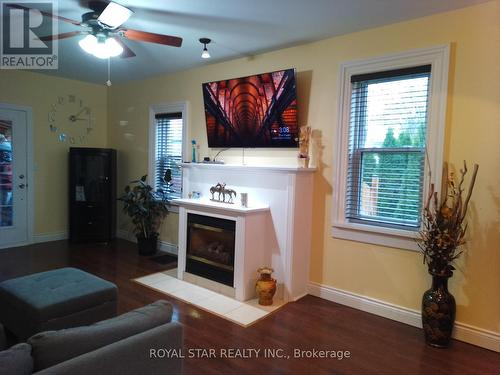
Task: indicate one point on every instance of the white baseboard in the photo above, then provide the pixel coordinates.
(463, 332)
(48, 237)
(168, 247)
(164, 246)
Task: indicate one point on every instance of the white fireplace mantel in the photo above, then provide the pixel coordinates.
(218, 206)
(248, 168)
(279, 213)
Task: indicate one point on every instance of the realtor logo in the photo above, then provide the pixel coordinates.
(23, 26)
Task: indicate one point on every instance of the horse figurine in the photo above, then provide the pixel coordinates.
(230, 192)
(216, 189)
(221, 189)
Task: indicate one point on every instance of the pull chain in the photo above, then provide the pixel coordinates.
(108, 82)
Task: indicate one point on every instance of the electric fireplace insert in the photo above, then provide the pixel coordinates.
(210, 248)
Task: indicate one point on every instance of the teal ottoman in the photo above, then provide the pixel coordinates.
(53, 300)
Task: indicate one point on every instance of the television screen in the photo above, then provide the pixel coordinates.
(254, 111)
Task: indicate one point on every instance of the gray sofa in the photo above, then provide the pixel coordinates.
(120, 345)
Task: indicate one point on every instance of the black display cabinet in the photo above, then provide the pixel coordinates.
(92, 194)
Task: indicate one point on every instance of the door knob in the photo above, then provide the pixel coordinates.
(21, 176)
(22, 186)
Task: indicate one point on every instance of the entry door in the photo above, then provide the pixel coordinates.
(14, 229)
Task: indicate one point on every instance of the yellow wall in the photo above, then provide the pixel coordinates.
(39, 91)
(472, 133)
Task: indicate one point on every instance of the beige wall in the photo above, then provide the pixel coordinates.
(472, 132)
(39, 91)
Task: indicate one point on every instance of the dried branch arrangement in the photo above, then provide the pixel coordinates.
(304, 137)
(443, 226)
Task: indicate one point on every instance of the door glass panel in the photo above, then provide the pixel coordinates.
(6, 198)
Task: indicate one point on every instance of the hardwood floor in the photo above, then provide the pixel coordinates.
(377, 345)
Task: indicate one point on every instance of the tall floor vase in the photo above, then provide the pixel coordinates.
(438, 312)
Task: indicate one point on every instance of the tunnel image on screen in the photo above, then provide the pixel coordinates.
(254, 111)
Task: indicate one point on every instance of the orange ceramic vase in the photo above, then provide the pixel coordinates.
(265, 286)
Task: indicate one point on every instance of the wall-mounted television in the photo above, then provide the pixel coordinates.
(254, 111)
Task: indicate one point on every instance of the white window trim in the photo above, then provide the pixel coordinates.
(439, 58)
(153, 111)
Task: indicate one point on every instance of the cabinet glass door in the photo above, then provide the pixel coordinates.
(91, 177)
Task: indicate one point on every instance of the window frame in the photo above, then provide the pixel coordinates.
(438, 57)
(176, 107)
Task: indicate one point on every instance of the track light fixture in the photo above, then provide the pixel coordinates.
(205, 54)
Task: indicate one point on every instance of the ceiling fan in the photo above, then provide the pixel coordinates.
(103, 30)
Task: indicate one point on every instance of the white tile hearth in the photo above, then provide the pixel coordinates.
(170, 285)
(154, 278)
(242, 313)
(220, 304)
(246, 314)
(172, 272)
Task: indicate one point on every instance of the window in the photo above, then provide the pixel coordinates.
(388, 126)
(166, 148)
(392, 116)
(168, 153)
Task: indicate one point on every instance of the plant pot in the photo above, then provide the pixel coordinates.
(147, 245)
(438, 312)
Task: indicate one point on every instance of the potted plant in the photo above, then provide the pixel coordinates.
(441, 237)
(147, 209)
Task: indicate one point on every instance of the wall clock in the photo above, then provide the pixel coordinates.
(70, 119)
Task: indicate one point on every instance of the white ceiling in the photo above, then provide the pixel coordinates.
(238, 28)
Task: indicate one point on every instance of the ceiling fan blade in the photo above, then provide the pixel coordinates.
(127, 52)
(114, 15)
(17, 6)
(49, 38)
(144, 36)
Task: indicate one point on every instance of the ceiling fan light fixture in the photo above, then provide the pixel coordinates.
(88, 44)
(205, 54)
(100, 50)
(101, 46)
(113, 47)
(114, 15)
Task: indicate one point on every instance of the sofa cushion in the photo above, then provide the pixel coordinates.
(50, 348)
(130, 356)
(16, 360)
(3, 339)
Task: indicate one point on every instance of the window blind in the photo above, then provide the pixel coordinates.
(168, 153)
(387, 137)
